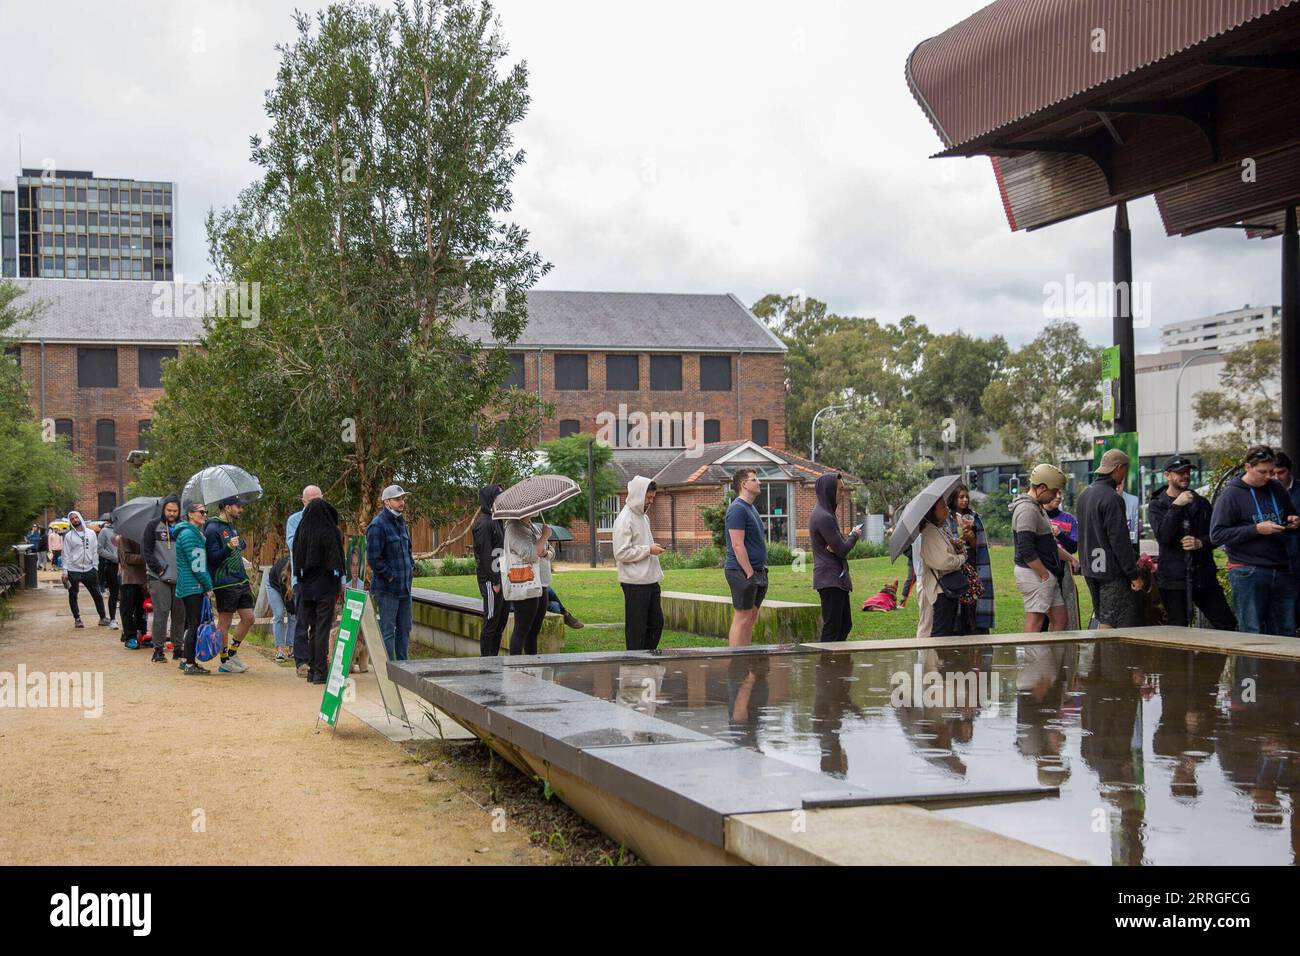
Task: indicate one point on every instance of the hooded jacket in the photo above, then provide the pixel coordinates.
(633, 537)
(80, 547)
(1237, 510)
(1105, 548)
(157, 540)
(130, 565)
(830, 548)
(191, 560)
(489, 537)
(1170, 523)
(107, 546)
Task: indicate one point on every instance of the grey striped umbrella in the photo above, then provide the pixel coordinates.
(533, 496)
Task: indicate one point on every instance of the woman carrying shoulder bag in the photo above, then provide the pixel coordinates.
(941, 554)
(525, 576)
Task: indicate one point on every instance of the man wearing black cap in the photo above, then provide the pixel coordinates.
(230, 587)
(1180, 519)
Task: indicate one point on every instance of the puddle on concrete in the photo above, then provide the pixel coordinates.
(1162, 755)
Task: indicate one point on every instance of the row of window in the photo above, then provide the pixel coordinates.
(97, 367)
(36, 196)
(669, 434)
(623, 372)
(105, 436)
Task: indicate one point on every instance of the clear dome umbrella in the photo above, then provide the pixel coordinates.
(219, 482)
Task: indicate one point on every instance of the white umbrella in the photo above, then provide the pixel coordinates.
(219, 482)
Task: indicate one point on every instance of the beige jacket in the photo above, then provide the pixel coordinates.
(939, 554)
(632, 539)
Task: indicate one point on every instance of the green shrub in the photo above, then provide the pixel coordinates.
(673, 561)
(424, 568)
(715, 519)
(707, 557)
(444, 567)
(779, 555)
(868, 549)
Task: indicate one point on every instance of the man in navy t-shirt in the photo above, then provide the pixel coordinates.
(746, 564)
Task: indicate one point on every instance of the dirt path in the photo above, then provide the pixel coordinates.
(238, 752)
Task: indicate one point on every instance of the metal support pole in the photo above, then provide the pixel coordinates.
(1122, 325)
(1291, 336)
(591, 499)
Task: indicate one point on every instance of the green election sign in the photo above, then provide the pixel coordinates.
(354, 602)
(1110, 363)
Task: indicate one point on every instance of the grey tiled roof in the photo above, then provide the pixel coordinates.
(639, 320)
(630, 462)
(100, 310)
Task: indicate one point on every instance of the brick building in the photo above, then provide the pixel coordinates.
(93, 361)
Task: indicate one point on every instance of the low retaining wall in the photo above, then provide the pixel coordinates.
(451, 625)
(779, 622)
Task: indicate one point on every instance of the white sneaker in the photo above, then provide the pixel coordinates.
(233, 665)
(113, 624)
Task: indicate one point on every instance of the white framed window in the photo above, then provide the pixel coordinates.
(607, 510)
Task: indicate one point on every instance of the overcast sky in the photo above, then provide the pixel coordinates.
(745, 147)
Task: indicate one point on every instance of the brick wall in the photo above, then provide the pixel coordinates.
(127, 405)
(760, 382)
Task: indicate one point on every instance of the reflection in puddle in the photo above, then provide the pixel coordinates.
(1162, 755)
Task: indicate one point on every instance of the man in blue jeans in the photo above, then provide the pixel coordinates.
(1253, 517)
(388, 553)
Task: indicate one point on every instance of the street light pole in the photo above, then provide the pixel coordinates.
(1178, 384)
(812, 451)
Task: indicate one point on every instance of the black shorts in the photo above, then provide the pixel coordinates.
(746, 593)
(234, 598)
(1115, 603)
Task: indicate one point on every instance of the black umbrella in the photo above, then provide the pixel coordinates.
(130, 517)
(908, 525)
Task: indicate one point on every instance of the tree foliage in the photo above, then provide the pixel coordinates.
(1046, 400)
(375, 235)
(1247, 408)
(34, 473)
(568, 456)
(867, 441)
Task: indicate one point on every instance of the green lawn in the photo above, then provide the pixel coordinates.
(595, 597)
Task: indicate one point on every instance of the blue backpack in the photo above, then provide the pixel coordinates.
(208, 643)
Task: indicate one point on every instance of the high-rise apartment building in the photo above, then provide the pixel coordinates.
(72, 224)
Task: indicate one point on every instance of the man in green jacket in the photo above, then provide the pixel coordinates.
(192, 579)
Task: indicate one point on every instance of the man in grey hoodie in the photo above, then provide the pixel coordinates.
(80, 561)
(830, 551)
(637, 555)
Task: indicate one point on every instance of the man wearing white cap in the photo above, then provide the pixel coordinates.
(388, 553)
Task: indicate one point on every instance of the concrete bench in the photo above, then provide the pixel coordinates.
(779, 622)
(451, 624)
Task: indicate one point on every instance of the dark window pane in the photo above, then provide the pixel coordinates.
(106, 440)
(145, 427)
(63, 430)
(515, 377)
(571, 373)
(107, 502)
(569, 426)
(622, 373)
(16, 353)
(97, 368)
(759, 433)
(715, 373)
(151, 366)
(665, 373)
(712, 430)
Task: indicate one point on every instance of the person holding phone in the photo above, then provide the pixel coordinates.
(1252, 518)
(637, 555)
(830, 550)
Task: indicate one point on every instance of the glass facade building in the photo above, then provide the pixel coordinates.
(71, 224)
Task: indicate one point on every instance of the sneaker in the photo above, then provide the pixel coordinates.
(193, 670)
(280, 657)
(303, 670)
(78, 623)
(158, 657)
(113, 624)
(132, 644)
(232, 665)
(103, 622)
(573, 622)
